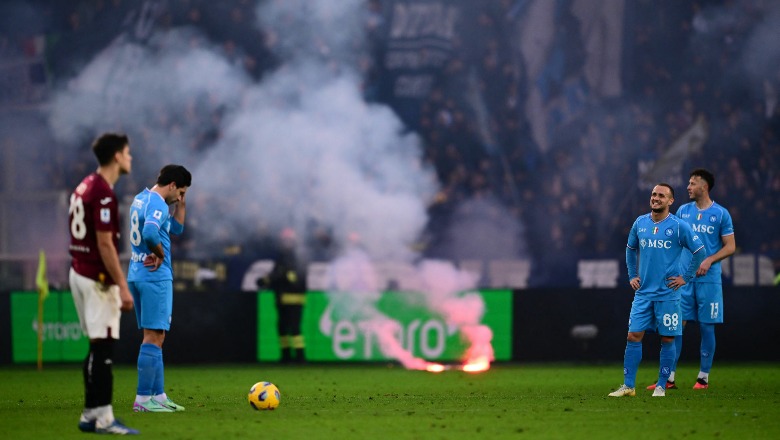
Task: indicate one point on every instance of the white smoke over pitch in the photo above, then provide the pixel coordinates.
(299, 146)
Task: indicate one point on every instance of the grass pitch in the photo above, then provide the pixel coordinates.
(511, 401)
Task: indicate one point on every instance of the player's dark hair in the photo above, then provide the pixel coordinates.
(176, 174)
(107, 145)
(668, 186)
(706, 176)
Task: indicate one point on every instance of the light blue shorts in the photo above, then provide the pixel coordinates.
(663, 317)
(153, 303)
(702, 302)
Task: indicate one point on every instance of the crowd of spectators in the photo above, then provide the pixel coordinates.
(577, 196)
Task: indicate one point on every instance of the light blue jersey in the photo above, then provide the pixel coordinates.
(151, 222)
(660, 246)
(710, 224)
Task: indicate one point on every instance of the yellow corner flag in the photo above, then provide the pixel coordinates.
(42, 283)
(41, 280)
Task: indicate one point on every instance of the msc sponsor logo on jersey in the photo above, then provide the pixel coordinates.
(703, 228)
(655, 243)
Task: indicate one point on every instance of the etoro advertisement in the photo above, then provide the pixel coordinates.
(332, 335)
(63, 339)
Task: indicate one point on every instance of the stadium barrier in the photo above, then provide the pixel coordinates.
(530, 325)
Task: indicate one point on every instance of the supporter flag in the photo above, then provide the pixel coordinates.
(668, 166)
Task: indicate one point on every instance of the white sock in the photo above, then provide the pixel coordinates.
(705, 376)
(89, 413)
(104, 416)
(161, 397)
(671, 377)
(142, 399)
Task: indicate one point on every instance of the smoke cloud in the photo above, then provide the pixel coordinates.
(300, 146)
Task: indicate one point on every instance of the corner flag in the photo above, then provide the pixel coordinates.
(41, 280)
(42, 283)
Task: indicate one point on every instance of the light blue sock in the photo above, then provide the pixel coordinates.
(631, 362)
(707, 346)
(678, 349)
(159, 377)
(668, 352)
(147, 368)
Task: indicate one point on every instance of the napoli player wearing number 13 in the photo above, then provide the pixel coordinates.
(657, 240)
(702, 300)
(154, 215)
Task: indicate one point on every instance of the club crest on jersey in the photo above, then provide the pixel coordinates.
(713, 219)
(157, 215)
(669, 232)
(105, 215)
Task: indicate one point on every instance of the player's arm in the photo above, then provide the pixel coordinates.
(632, 257)
(110, 257)
(698, 254)
(696, 258)
(151, 237)
(631, 265)
(680, 280)
(728, 249)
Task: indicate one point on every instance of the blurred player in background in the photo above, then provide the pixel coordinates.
(288, 282)
(154, 215)
(657, 240)
(97, 281)
(702, 300)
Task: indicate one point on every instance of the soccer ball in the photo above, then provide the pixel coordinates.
(264, 395)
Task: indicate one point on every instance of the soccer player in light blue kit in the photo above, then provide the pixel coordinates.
(702, 300)
(657, 240)
(154, 215)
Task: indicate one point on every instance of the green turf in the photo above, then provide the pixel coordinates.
(387, 402)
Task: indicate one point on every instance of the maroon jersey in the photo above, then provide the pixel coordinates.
(93, 208)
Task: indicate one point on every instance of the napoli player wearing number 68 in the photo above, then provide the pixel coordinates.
(702, 300)
(657, 240)
(154, 215)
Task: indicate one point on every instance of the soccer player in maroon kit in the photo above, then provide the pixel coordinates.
(97, 280)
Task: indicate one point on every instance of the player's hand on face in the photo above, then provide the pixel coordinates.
(153, 262)
(127, 300)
